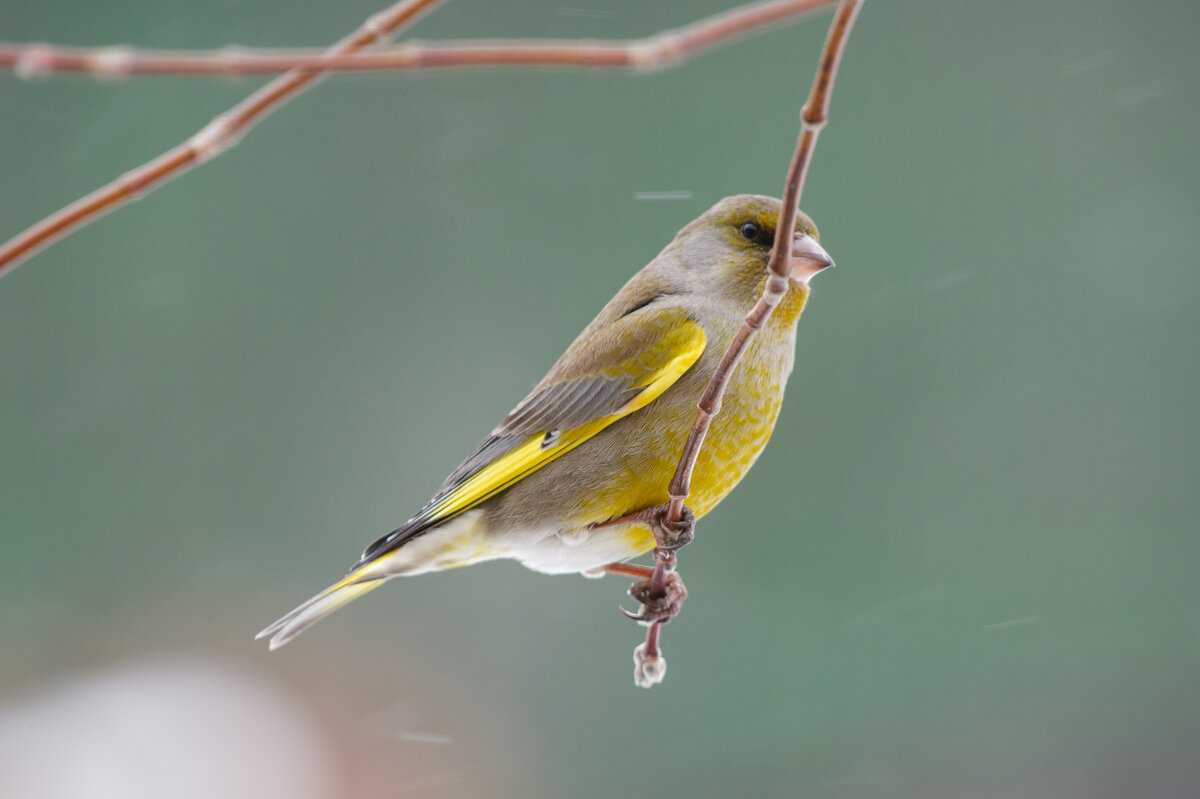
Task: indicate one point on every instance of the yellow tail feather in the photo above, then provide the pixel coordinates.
(450, 544)
(335, 596)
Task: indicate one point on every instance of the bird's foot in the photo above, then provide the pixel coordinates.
(660, 592)
(670, 535)
(657, 609)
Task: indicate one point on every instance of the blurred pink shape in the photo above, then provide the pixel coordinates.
(167, 729)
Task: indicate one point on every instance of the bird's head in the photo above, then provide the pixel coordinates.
(727, 249)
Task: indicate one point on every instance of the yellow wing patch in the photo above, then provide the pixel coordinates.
(685, 342)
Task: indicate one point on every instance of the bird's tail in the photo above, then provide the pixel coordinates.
(457, 542)
(343, 592)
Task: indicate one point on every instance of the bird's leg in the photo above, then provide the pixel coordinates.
(660, 592)
(636, 570)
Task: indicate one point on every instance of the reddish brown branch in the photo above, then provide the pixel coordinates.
(665, 49)
(656, 52)
(218, 135)
(813, 118)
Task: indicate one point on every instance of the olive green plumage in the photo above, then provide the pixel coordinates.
(599, 437)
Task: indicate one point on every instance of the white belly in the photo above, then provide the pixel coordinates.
(580, 551)
(461, 542)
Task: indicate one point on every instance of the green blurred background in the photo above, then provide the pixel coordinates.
(965, 567)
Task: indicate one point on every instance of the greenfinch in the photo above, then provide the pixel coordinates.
(598, 439)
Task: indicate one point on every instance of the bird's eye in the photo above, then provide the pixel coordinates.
(753, 232)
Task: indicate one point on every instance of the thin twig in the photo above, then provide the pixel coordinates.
(214, 138)
(660, 51)
(813, 118)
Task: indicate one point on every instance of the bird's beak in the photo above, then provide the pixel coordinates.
(808, 258)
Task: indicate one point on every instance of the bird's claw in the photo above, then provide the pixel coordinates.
(661, 609)
(671, 535)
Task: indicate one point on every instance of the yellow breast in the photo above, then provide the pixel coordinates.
(738, 435)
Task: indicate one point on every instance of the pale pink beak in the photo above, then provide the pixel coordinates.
(808, 258)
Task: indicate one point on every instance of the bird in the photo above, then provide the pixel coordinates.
(563, 483)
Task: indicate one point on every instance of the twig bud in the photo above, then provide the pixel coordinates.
(647, 671)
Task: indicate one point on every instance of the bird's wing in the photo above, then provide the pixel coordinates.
(608, 373)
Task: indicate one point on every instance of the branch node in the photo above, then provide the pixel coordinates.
(775, 289)
(234, 59)
(658, 52)
(709, 406)
(213, 139)
(35, 61)
(378, 25)
(814, 123)
(112, 63)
